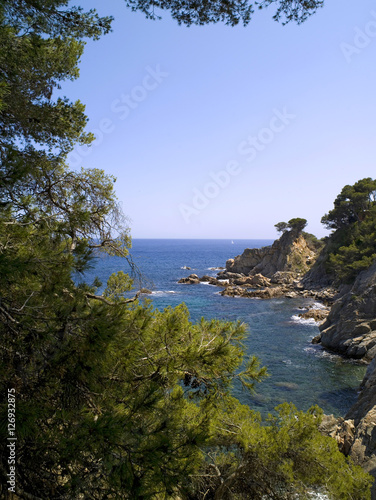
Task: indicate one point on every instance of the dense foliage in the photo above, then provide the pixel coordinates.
(352, 246)
(230, 12)
(296, 225)
(113, 398)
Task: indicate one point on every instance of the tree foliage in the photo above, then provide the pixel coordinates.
(296, 225)
(231, 12)
(352, 205)
(352, 248)
(113, 398)
(285, 457)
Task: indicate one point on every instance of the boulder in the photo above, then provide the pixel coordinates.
(343, 431)
(255, 281)
(283, 277)
(319, 315)
(206, 278)
(192, 279)
(213, 281)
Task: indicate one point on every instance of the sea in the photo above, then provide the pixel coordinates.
(299, 372)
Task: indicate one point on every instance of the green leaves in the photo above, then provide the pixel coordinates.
(352, 248)
(281, 458)
(231, 12)
(351, 205)
(297, 225)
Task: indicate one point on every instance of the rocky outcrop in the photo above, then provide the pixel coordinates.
(343, 431)
(350, 328)
(319, 315)
(289, 254)
(317, 277)
(263, 293)
(192, 279)
(257, 281)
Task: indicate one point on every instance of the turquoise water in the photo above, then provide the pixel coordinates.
(299, 371)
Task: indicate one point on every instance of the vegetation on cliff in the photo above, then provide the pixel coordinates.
(352, 247)
(114, 399)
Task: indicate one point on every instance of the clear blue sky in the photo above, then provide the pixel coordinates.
(288, 111)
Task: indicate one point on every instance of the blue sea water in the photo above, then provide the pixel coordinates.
(300, 372)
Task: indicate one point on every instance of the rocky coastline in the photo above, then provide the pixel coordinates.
(347, 321)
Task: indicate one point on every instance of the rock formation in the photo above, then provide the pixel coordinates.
(289, 254)
(192, 279)
(350, 328)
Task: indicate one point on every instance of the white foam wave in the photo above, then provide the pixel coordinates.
(163, 292)
(303, 321)
(318, 305)
(319, 351)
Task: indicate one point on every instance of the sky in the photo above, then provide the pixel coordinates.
(220, 132)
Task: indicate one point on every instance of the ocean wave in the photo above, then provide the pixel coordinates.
(302, 321)
(163, 292)
(318, 305)
(319, 351)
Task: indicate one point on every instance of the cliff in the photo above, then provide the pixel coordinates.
(350, 328)
(289, 254)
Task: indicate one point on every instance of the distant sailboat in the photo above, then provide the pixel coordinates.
(232, 242)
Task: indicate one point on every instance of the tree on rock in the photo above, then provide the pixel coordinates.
(281, 227)
(296, 225)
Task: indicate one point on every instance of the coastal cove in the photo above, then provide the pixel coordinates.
(300, 372)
